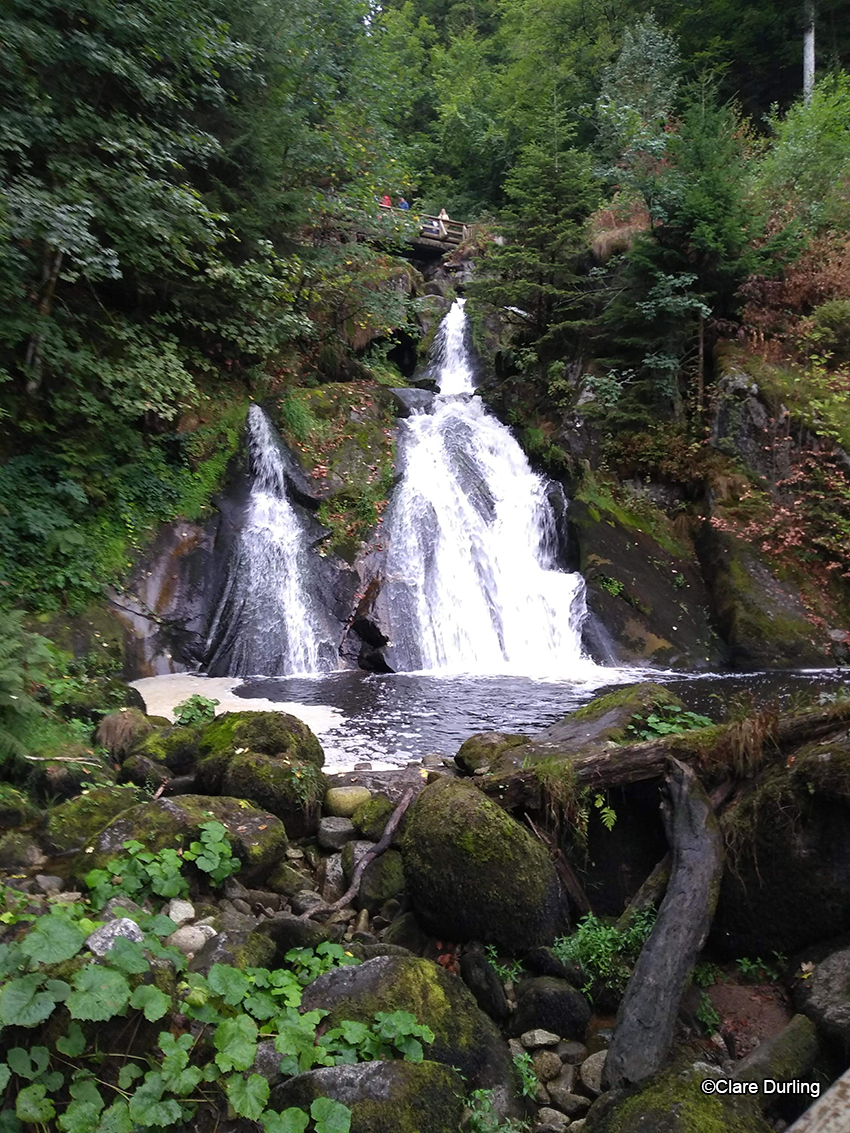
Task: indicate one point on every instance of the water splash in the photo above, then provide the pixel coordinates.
(471, 578)
(266, 622)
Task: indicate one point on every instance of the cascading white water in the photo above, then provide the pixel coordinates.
(471, 579)
(266, 623)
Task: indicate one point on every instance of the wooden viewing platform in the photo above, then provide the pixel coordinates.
(433, 231)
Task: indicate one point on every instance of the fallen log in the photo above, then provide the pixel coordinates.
(619, 765)
(367, 859)
(647, 1016)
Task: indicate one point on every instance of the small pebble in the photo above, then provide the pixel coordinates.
(362, 766)
(189, 939)
(49, 883)
(547, 1065)
(550, 1120)
(294, 854)
(102, 939)
(180, 911)
(538, 1037)
(591, 1072)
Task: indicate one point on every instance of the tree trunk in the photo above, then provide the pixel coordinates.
(808, 49)
(34, 360)
(647, 1017)
(601, 769)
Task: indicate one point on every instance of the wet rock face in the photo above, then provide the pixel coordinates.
(647, 603)
(824, 996)
(473, 873)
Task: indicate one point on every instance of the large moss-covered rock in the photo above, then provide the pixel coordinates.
(464, 1037)
(787, 878)
(482, 749)
(371, 817)
(62, 771)
(289, 788)
(19, 850)
(267, 733)
(473, 873)
(824, 993)
(258, 838)
(176, 748)
(72, 824)
(382, 879)
(15, 808)
(674, 1103)
(644, 584)
(120, 731)
(761, 616)
(384, 1097)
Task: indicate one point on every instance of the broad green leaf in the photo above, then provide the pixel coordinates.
(28, 1063)
(80, 1117)
(128, 1073)
(84, 1089)
(116, 1119)
(248, 1096)
(330, 1116)
(73, 1043)
(9, 1122)
(151, 1000)
(261, 1005)
(128, 956)
(99, 993)
(147, 1106)
(290, 1121)
(229, 983)
(23, 1004)
(53, 939)
(33, 1106)
(236, 1043)
(5, 1075)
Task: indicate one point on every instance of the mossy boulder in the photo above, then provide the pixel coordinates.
(384, 1097)
(341, 802)
(787, 1056)
(464, 1037)
(72, 824)
(483, 749)
(289, 788)
(120, 731)
(288, 880)
(62, 772)
(92, 698)
(143, 772)
(382, 879)
(19, 850)
(16, 809)
(176, 748)
(473, 873)
(267, 733)
(370, 818)
(785, 885)
(258, 838)
(674, 1103)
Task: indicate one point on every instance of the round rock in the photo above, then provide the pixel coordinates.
(335, 832)
(551, 1121)
(547, 1065)
(180, 911)
(538, 1037)
(103, 938)
(342, 802)
(188, 939)
(591, 1072)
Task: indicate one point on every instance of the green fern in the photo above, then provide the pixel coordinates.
(24, 658)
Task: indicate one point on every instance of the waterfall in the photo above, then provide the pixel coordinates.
(471, 577)
(266, 622)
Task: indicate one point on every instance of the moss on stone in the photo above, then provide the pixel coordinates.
(475, 874)
(370, 818)
(19, 850)
(626, 704)
(675, 1103)
(288, 880)
(289, 788)
(16, 809)
(73, 824)
(267, 733)
(481, 750)
(382, 879)
(174, 747)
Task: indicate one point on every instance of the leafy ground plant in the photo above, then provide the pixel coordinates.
(195, 709)
(193, 1038)
(667, 721)
(606, 953)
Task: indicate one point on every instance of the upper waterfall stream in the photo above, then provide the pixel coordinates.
(471, 578)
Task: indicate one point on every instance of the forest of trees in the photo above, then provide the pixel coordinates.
(187, 212)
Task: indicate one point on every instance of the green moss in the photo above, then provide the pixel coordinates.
(288, 880)
(370, 818)
(675, 1103)
(484, 749)
(634, 698)
(177, 748)
(288, 788)
(601, 497)
(73, 824)
(15, 808)
(267, 733)
(431, 1101)
(382, 879)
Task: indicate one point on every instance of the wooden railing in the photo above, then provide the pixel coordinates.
(434, 230)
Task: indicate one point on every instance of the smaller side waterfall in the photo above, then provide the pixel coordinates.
(266, 622)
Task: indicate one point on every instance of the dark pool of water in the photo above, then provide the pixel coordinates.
(396, 718)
